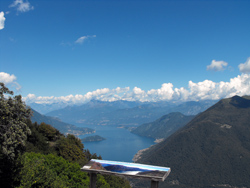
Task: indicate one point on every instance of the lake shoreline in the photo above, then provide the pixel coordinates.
(120, 143)
(138, 155)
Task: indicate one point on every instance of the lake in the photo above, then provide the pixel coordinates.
(120, 144)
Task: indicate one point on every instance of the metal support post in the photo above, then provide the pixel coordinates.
(93, 177)
(154, 184)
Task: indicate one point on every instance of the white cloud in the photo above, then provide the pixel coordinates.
(120, 90)
(2, 20)
(136, 94)
(22, 6)
(81, 39)
(9, 79)
(245, 67)
(201, 90)
(166, 92)
(204, 90)
(84, 38)
(217, 65)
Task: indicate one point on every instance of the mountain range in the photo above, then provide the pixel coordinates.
(64, 128)
(44, 108)
(164, 126)
(125, 113)
(212, 150)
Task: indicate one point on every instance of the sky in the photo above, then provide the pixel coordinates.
(150, 50)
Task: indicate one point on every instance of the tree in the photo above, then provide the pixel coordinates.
(13, 127)
(41, 170)
(13, 134)
(36, 141)
(48, 131)
(71, 148)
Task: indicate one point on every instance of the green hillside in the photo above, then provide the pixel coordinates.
(164, 126)
(95, 138)
(65, 128)
(212, 150)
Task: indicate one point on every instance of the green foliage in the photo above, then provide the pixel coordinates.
(71, 149)
(13, 133)
(37, 141)
(13, 127)
(101, 182)
(48, 131)
(90, 156)
(8, 171)
(50, 171)
(115, 181)
(75, 141)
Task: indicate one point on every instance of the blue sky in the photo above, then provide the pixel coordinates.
(78, 50)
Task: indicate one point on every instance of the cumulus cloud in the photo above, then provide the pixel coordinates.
(22, 6)
(205, 90)
(2, 20)
(217, 65)
(82, 39)
(134, 95)
(245, 67)
(9, 79)
(99, 94)
(166, 92)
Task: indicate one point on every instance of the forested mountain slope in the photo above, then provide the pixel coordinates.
(164, 126)
(212, 150)
(61, 126)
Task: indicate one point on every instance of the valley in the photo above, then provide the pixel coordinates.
(216, 139)
(109, 132)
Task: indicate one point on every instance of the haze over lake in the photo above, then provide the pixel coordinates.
(120, 144)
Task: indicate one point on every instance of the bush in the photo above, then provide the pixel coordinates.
(41, 170)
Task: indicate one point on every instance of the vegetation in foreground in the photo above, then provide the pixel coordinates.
(38, 155)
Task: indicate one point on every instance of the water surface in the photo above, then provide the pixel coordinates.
(120, 144)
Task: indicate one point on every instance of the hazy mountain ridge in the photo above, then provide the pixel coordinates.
(212, 150)
(164, 126)
(80, 114)
(128, 113)
(44, 108)
(58, 124)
